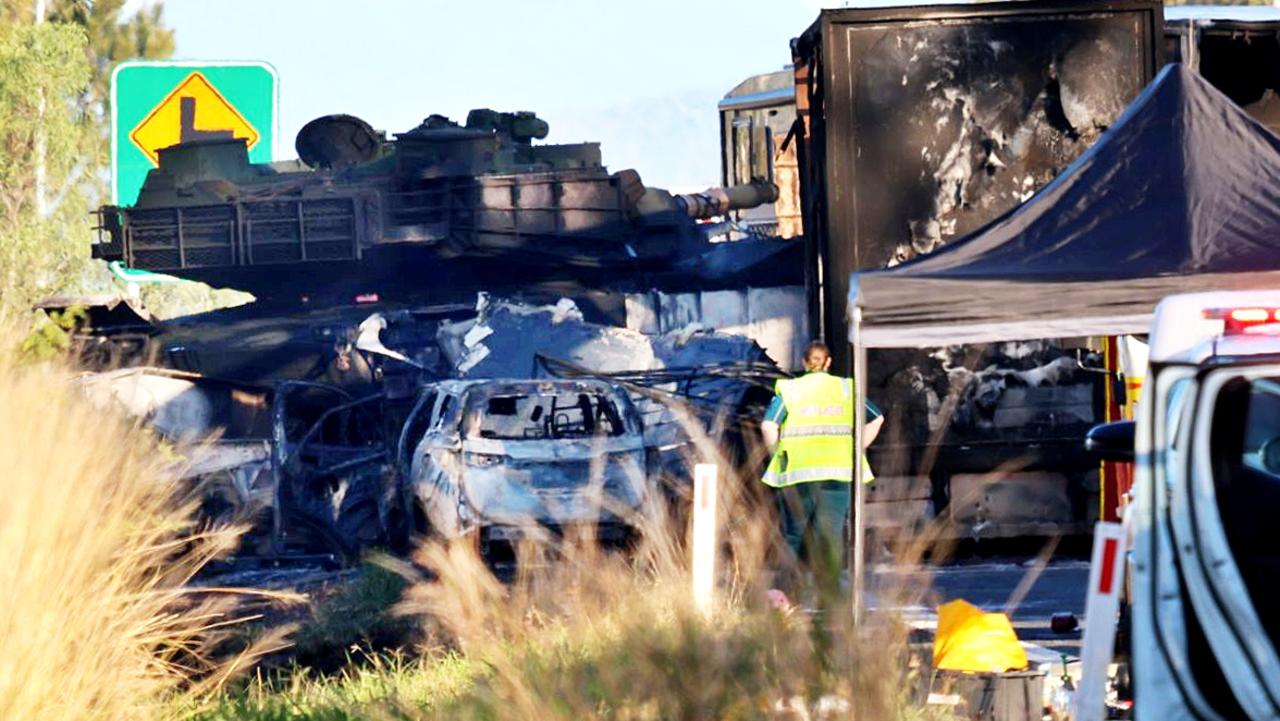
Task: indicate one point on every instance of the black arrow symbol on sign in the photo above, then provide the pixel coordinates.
(187, 118)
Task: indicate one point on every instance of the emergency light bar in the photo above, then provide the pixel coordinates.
(1236, 321)
(1184, 323)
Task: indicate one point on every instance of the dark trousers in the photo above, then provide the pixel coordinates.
(813, 523)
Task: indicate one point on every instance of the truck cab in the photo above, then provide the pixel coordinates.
(1205, 517)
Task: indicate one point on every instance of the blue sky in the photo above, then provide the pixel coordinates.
(641, 78)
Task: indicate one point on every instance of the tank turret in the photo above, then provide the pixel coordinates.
(359, 203)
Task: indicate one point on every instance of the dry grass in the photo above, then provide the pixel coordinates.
(94, 552)
(595, 637)
(582, 633)
(585, 634)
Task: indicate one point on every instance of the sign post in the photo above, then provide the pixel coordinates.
(158, 104)
(1106, 579)
(705, 478)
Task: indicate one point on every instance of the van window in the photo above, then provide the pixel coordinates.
(1169, 434)
(550, 415)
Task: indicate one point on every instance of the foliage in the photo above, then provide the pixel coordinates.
(52, 337)
(54, 95)
(39, 255)
(40, 69)
(110, 39)
(582, 633)
(113, 39)
(369, 687)
(649, 657)
(170, 300)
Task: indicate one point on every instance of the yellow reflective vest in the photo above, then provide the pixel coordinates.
(816, 438)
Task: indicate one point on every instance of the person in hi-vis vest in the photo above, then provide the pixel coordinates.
(809, 428)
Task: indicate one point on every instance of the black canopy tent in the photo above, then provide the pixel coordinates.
(1182, 193)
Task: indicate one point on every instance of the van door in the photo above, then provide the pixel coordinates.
(1224, 516)
(1166, 686)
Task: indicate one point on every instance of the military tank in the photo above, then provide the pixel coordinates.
(440, 203)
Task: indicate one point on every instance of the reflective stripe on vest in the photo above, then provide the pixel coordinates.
(816, 431)
(816, 439)
(789, 478)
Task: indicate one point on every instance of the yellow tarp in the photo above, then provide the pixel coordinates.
(970, 639)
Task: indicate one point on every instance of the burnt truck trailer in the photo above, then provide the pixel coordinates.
(917, 125)
(1237, 49)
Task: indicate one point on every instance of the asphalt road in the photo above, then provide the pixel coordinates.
(1059, 588)
(915, 591)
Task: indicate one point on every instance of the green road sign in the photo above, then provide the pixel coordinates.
(139, 277)
(158, 104)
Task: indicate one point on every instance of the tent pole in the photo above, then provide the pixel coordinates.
(856, 562)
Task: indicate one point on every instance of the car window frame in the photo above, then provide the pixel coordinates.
(446, 406)
(424, 406)
(431, 407)
(621, 423)
(1257, 464)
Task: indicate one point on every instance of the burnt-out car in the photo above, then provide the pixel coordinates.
(301, 466)
(500, 460)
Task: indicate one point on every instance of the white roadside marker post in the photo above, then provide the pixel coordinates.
(705, 479)
(1106, 579)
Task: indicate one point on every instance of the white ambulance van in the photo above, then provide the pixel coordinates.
(1204, 522)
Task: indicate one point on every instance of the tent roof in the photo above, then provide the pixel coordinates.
(1181, 194)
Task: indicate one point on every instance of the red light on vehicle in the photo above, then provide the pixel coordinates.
(367, 298)
(1250, 315)
(1242, 320)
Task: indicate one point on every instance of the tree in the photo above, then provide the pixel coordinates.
(109, 38)
(111, 41)
(42, 72)
(65, 58)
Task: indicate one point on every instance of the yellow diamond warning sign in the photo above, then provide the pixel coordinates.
(157, 103)
(195, 110)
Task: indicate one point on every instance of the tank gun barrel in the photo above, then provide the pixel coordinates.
(718, 201)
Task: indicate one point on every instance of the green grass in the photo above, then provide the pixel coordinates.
(357, 616)
(388, 685)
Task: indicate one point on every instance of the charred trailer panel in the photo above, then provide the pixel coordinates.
(1237, 49)
(921, 125)
(925, 123)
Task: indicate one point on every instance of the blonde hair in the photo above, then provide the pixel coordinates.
(816, 354)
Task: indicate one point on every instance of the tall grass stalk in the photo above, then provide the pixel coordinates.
(95, 549)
